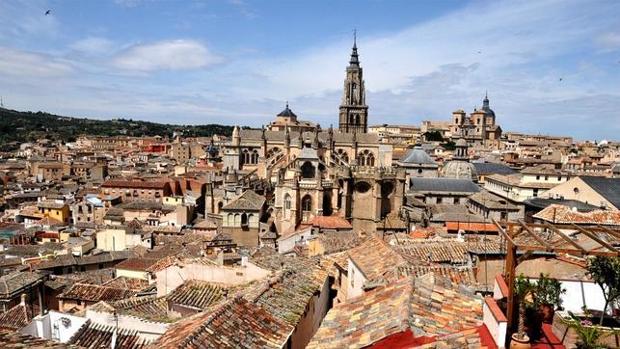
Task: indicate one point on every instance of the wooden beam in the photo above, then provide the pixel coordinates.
(595, 238)
(535, 236)
(609, 231)
(566, 238)
(503, 232)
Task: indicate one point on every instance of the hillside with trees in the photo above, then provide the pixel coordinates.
(18, 127)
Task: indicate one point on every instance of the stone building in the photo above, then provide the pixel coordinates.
(418, 163)
(477, 128)
(460, 167)
(287, 119)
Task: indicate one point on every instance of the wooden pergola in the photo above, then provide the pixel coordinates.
(527, 238)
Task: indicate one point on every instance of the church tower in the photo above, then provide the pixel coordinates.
(353, 116)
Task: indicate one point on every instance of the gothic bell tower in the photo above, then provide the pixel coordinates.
(353, 116)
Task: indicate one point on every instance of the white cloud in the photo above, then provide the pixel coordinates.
(128, 3)
(609, 41)
(507, 34)
(93, 46)
(27, 64)
(166, 55)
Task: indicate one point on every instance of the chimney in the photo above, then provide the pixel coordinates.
(23, 299)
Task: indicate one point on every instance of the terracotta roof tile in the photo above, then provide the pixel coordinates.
(95, 336)
(95, 293)
(234, 324)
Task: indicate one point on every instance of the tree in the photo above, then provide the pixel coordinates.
(433, 136)
(605, 271)
(548, 291)
(523, 290)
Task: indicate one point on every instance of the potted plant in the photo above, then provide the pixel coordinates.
(548, 296)
(523, 294)
(588, 333)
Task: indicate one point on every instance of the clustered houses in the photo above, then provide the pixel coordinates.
(296, 235)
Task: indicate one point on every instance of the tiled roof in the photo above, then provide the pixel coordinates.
(460, 275)
(135, 184)
(330, 222)
(439, 308)
(51, 204)
(443, 185)
(16, 281)
(69, 260)
(365, 319)
(137, 264)
(249, 200)
(234, 324)
(95, 336)
(11, 339)
(375, 258)
(197, 294)
(95, 293)
(428, 305)
(434, 251)
(16, 317)
(287, 296)
(127, 283)
(149, 307)
(339, 241)
(565, 215)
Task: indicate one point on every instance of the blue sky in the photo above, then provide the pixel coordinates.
(550, 67)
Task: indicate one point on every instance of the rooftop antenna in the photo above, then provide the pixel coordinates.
(1, 102)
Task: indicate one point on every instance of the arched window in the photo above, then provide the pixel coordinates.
(370, 160)
(254, 157)
(272, 152)
(244, 219)
(245, 157)
(366, 158)
(287, 202)
(342, 154)
(306, 203)
(307, 170)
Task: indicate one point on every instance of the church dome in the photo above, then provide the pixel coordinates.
(417, 156)
(287, 112)
(459, 169)
(461, 142)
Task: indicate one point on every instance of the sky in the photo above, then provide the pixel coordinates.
(549, 66)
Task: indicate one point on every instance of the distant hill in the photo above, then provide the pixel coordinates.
(18, 127)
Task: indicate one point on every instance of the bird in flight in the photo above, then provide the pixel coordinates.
(561, 79)
(48, 12)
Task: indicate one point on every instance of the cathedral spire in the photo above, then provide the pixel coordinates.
(354, 56)
(353, 116)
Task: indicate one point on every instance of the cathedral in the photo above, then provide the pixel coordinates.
(311, 171)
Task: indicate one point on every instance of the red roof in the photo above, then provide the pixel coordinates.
(331, 222)
(470, 226)
(135, 184)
